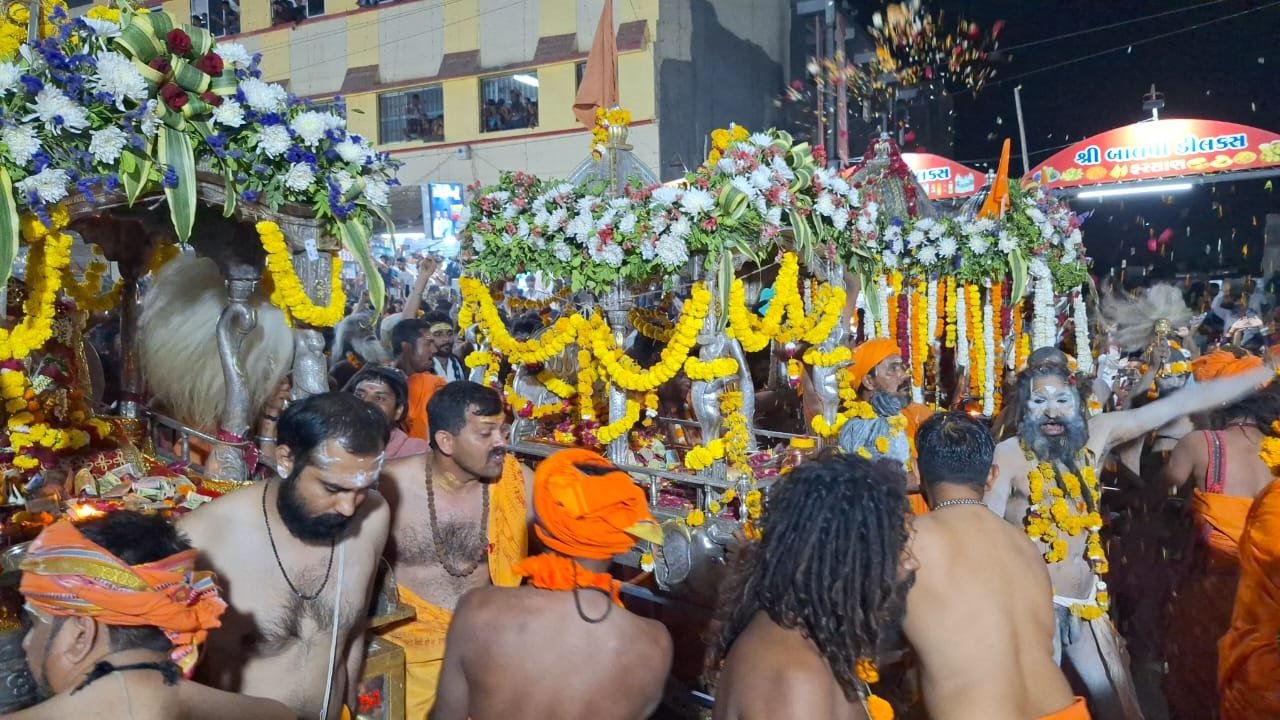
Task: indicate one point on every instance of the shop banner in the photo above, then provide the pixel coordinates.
(944, 179)
(1159, 149)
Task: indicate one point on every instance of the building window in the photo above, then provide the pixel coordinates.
(314, 7)
(411, 115)
(220, 17)
(284, 12)
(579, 69)
(509, 102)
(330, 106)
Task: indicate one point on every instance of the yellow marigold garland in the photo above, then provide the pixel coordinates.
(753, 334)
(524, 407)
(895, 293)
(839, 355)
(919, 336)
(87, 293)
(545, 346)
(614, 430)
(47, 258)
(491, 361)
(721, 139)
(710, 370)
(652, 324)
(736, 437)
(997, 315)
(950, 294)
(625, 373)
(287, 292)
(702, 456)
(586, 386)
(558, 387)
(977, 349)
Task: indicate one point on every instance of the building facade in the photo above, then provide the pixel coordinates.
(460, 90)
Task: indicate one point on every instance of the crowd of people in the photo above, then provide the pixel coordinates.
(967, 572)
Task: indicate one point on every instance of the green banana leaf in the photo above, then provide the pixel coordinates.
(8, 227)
(175, 150)
(355, 238)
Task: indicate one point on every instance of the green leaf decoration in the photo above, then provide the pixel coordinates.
(355, 238)
(135, 174)
(1018, 271)
(8, 227)
(724, 281)
(175, 150)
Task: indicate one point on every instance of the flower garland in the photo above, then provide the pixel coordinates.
(605, 119)
(736, 437)
(711, 369)
(586, 386)
(877, 707)
(989, 355)
(920, 335)
(1080, 318)
(47, 258)
(703, 456)
(652, 324)
(555, 385)
(977, 350)
(492, 363)
(287, 292)
(998, 309)
(1062, 508)
(606, 434)
(625, 373)
(755, 335)
(891, 307)
(1042, 323)
(931, 305)
(961, 327)
(87, 293)
(950, 311)
(524, 407)
(552, 342)
(816, 357)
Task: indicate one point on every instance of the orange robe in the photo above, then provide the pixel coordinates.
(421, 387)
(1075, 711)
(1249, 654)
(423, 638)
(1201, 610)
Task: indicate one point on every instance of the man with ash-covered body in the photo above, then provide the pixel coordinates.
(1057, 449)
(297, 558)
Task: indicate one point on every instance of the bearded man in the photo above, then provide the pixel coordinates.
(460, 521)
(1048, 485)
(115, 613)
(299, 557)
(502, 640)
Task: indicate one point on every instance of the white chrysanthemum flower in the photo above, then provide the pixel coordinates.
(760, 139)
(915, 237)
(841, 187)
(587, 203)
(840, 220)
(57, 111)
(726, 166)
(681, 228)
(665, 195)
(377, 193)
(895, 245)
(937, 231)
(696, 201)
(978, 244)
(557, 219)
(865, 225)
(892, 232)
(561, 250)
(310, 126)
(21, 142)
(660, 222)
(118, 78)
(1006, 243)
(627, 224)
(273, 140)
(825, 205)
(522, 229)
(264, 97)
(744, 186)
(230, 113)
(947, 248)
(234, 54)
(498, 196)
(611, 254)
(1069, 256)
(872, 209)
(50, 185)
(620, 203)
(773, 216)
(927, 255)
(300, 177)
(1036, 216)
(343, 179)
(1075, 238)
(477, 241)
(761, 178)
(102, 28)
(925, 224)
(890, 260)
(671, 251)
(582, 227)
(10, 75)
(351, 151)
(107, 144)
(152, 118)
(781, 168)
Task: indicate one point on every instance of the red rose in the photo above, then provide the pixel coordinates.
(173, 96)
(160, 64)
(211, 98)
(178, 41)
(210, 63)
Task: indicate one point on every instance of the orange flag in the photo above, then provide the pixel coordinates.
(599, 86)
(998, 199)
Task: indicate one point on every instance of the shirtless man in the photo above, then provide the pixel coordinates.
(297, 558)
(1054, 435)
(97, 645)
(979, 614)
(502, 640)
(800, 612)
(460, 521)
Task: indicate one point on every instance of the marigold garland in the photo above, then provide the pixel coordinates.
(919, 339)
(88, 293)
(997, 312)
(491, 361)
(555, 385)
(711, 369)
(479, 305)
(815, 357)
(702, 456)
(47, 258)
(606, 434)
(977, 361)
(753, 334)
(736, 437)
(950, 296)
(895, 292)
(525, 408)
(625, 373)
(652, 324)
(287, 292)
(586, 386)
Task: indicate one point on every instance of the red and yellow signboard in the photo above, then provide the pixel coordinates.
(1159, 149)
(943, 179)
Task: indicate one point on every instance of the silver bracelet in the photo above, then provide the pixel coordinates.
(264, 440)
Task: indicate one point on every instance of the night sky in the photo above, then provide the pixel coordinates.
(1225, 71)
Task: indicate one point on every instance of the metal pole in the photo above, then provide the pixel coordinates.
(1022, 130)
(820, 95)
(842, 98)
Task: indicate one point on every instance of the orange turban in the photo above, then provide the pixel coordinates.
(66, 574)
(1222, 364)
(868, 355)
(589, 515)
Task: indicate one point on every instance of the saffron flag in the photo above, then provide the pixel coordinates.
(599, 86)
(998, 197)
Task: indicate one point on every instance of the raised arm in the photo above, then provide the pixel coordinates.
(1120, 427)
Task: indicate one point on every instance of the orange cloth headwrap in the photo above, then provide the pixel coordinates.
(1222, 364)
(589, 516)
(65, 574)
(868, 355)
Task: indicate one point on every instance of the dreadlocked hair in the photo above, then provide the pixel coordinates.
(828, 564)
(1261, 408)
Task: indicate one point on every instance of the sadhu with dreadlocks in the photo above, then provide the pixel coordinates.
(1048, 485)
(810, 606)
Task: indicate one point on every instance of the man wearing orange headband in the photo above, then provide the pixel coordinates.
(1225, 471)
(503, 641)
(116, 613)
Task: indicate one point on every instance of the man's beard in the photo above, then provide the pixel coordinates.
(1061, 448)
(300, 522)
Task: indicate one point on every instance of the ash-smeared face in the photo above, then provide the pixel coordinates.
(1053, 425)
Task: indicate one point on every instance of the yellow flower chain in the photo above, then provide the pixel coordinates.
(545, 346)
(997, 313)
(558, 387)
(87, 293)
(1054, 510)
(652, 324)
(753, 334)
(710, 370)
(736, 436)
(287, 292)
(491, 361)
(977, 350)
(625, 373)
(614, 430)
(814, 357)
(950, 294)
(702, 456)
(524, 407)
(586, 386)
(895, 289)
(48, 257)
(920, 336)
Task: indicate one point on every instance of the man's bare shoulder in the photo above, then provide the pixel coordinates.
(376, 512)
(201, 701)
(401, 473)
(793, 691)
(211, 518)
